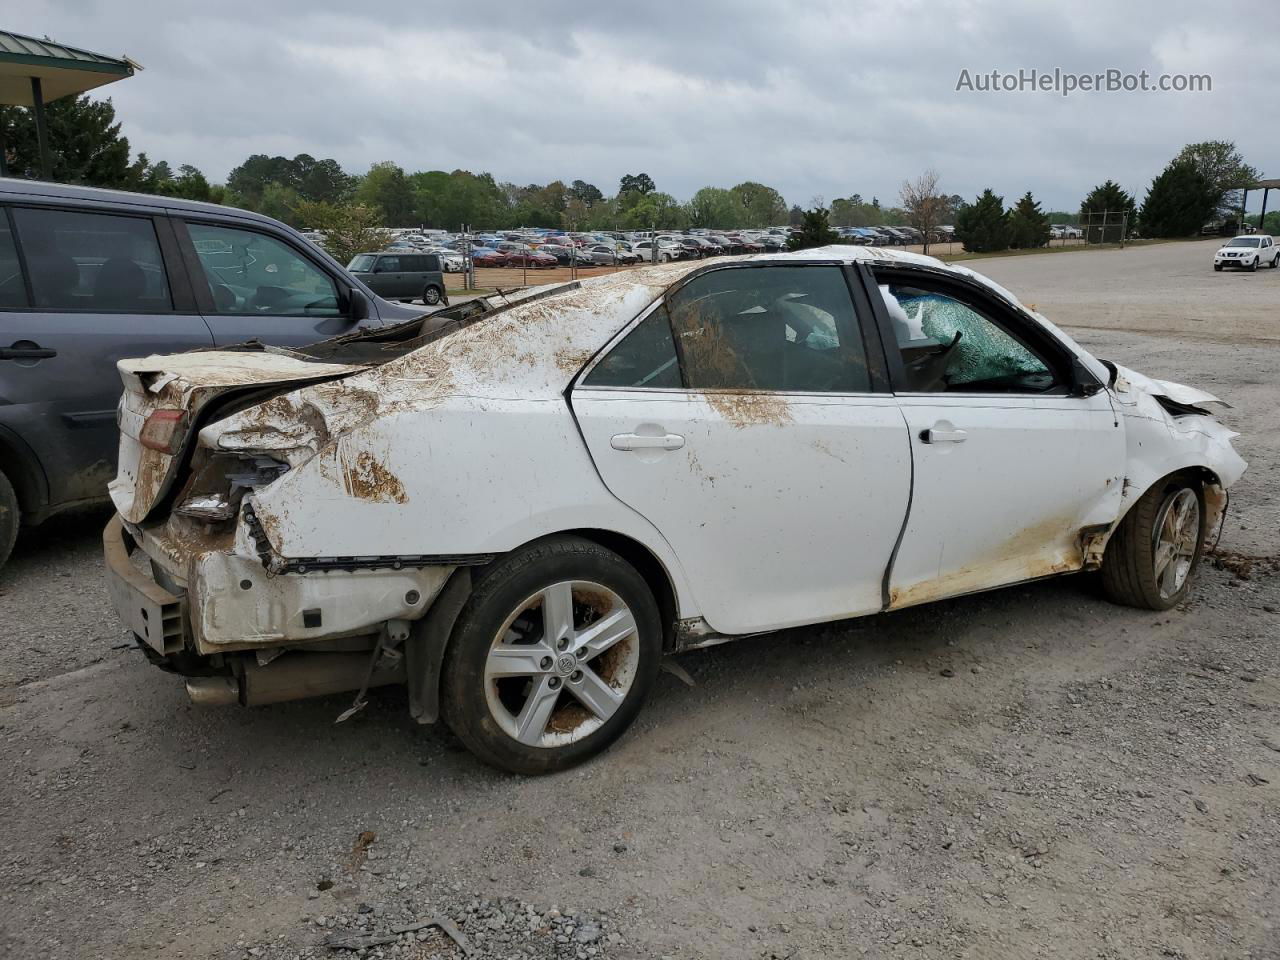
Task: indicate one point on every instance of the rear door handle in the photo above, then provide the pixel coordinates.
(935, 435)
(27, 353)
(634, 441)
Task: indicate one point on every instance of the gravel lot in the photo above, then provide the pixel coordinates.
(1029, 772)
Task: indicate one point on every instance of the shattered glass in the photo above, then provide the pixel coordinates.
(984, 351)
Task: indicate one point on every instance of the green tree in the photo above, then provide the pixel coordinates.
(815, 231)
(386, 188)
(983, 226)
(758, 205)
(85, 144)
(640, 183)
(588, 193)
(348, 228)
(1223, 169)
(320, 180)
(656, 210)
(713, 207)
(1179, 202)
(280, 202)
(1118, 207)
(248, 181)
(1028, 226)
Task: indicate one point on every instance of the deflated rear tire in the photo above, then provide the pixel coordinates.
(1153, 555)
(552, 657)
(10, 518)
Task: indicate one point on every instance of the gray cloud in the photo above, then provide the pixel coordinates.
(817, 99)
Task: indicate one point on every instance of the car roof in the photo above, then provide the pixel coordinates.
(12, 187)
(533, 347)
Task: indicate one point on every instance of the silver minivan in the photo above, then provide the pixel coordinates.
(88, 277)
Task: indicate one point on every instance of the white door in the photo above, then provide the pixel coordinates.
(1010, 468)
(763, 454)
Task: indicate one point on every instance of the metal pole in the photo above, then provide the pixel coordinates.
(1244, 200)
(4, 167)
(42, 129)
(1262, 217)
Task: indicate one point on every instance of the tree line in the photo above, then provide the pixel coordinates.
(1198, 185)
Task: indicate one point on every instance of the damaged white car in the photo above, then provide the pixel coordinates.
(518, 512)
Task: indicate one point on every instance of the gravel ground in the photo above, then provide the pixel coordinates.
(1028, 772)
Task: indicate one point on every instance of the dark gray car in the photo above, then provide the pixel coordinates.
(398, 275)
(88, 277)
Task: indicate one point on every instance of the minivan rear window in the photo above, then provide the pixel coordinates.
(92, 261)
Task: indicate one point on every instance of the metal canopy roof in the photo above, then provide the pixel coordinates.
(61, 70)
(1265, 185)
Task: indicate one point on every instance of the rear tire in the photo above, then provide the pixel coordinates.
(507, 658)
(1152, 557)
(431, 295)
(10, 518)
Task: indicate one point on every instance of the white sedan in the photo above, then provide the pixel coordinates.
(518, 508)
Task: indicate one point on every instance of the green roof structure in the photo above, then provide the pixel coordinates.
(33, 72)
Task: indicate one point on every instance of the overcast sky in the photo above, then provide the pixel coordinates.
(814, 98)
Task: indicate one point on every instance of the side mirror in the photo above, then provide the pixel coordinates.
(1083, 382)
(357, 305)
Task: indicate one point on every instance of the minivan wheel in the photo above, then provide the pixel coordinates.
(552, 657)
(10, 518)
(1153, 554)
(431, 295)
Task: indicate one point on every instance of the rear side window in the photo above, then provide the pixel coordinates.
(13, 292)
(250, 272)
(93, 261)
(646, 357)
(389, 264)
(430, 262)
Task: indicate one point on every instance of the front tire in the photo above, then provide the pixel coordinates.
(1218, 267)
(10, 518)
(1253, 266)
(1153, 555)
(552, 658)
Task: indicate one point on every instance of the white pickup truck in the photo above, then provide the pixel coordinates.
(1248, 253)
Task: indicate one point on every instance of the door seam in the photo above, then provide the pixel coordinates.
(906, 518)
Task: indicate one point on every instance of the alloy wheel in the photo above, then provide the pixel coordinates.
(1174, 540)
(562, 664)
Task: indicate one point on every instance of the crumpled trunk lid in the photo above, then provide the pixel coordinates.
(187, 384)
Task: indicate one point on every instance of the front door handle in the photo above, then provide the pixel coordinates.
(937, 435)
(26, 350)
(635, 441)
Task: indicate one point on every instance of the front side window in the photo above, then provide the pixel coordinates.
(93, 261)
(949, 346)
(782, 328)
(361, 263)
(250, 272)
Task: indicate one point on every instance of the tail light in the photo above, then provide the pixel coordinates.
(164, 430)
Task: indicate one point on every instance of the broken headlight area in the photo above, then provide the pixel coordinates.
(1175, 409)
(219, 482)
